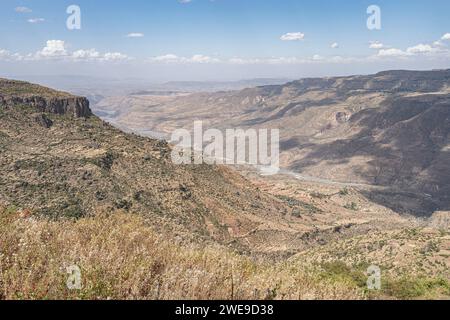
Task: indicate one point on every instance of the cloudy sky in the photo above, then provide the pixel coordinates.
(221, 39)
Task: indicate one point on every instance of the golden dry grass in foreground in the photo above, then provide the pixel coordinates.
(122, 258)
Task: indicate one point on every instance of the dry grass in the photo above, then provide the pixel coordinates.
(121, 257)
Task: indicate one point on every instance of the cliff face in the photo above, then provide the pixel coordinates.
(75, 106)
(13, 93)
(387, 81)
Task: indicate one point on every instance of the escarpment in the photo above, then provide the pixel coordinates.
(76, 106)
(15, 93)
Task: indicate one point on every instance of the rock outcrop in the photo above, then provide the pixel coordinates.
(14, 93)
(75, 106)
(43, 120)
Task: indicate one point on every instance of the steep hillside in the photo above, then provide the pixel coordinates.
(58, 160)
(389, 129)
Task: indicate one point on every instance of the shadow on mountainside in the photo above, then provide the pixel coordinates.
(407, 139)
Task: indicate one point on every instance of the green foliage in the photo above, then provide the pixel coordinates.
(339, 271)
(12, 209)
(72, 209)
(296, 213)
(318, 195)
(124, 204)
(410, 288)
(106, 161)
(351, 206)
(299, 206)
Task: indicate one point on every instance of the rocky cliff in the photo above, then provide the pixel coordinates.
(13, 93)
(76, 106)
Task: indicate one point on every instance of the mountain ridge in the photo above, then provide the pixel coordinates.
(347, 129)
(13, 92)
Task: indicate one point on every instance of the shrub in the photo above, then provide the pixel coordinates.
(351, 206)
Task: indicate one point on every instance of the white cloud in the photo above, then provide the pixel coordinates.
(36, 20)
(441, 43)
(376, 45)
(317, 57)
(57, 50)
(422, 49)
(242, 61)
(167, 58)
(281, 60)
(392, 53)
(290, 60)
(270, 61)
(437, 49)
(293, 36)
(184, 1)
(94, 55)
(90, 54)
(4, 54)
(135, 35)
(23, 10)
(339, 59)
(114, 56)
(172, 58)
(334, 45)
(53, 49)
(199, 58)
(237, 61)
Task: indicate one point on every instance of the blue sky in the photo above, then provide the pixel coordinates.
(222, 39)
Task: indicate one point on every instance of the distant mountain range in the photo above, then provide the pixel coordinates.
(213, 86)
(98, 87)
(389, 129)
